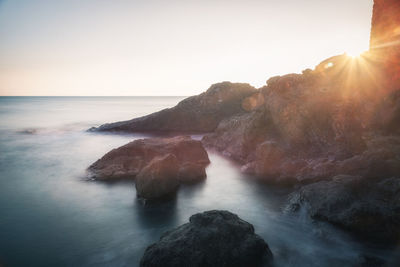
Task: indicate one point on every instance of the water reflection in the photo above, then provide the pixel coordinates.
(156, 214)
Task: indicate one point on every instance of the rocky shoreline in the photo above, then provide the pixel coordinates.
(303, 130)
(332, 133)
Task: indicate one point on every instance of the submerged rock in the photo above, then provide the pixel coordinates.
(213, 238)
(368, 208)
(200, 113)
(128, 160)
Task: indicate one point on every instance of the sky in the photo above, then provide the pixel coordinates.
(160, 47)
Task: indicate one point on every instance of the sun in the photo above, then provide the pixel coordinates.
(355, 52)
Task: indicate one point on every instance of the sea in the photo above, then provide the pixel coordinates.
(51, 215)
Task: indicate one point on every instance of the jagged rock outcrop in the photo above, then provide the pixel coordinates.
(239, 136)
(200, 113)
(127, 161)
(212, 238)
(367, 207)
(312, 126)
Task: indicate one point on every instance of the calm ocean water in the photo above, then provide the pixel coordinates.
(51, 216)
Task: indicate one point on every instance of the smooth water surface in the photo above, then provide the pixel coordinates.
(52, 216)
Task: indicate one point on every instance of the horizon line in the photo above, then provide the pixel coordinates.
(94, 95)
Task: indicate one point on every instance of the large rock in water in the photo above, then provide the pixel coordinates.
(159, 178)
(200, 113)
(127, 161)
(368, 208)
(213, 238)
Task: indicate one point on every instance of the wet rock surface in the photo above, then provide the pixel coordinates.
(369, 208)
(212, 238)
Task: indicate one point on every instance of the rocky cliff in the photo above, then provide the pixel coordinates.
(340, 119)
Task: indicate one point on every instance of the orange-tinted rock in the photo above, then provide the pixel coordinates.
(128, 160)
(385, 39)
(159, 178)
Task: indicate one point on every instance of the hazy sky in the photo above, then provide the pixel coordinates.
(168, 47)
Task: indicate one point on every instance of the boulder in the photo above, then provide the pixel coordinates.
(200, 113)
(213, 238)
(128, 160)
(191, 173)
(159, 178)
(368, 208)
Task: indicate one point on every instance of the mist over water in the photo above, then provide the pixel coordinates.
(52, 216)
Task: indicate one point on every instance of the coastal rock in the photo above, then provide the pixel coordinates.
(191, 173)
(385, 39)
(313, 111)
(380, 160)
(128, 160)
(200, 113)
(368, 208)
(213, 238)
(387, 116)
(159, 178)
(238, 136)
(302, 128)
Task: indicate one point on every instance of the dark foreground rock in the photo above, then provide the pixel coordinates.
(213, 238)
(368, 208)
(200, 113)
(128, 160)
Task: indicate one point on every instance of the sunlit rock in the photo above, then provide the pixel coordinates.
(127, 161)
(385, 40)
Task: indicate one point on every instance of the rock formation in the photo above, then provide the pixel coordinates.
(128, 160)
(200, 113)
(213, 238)
(340, 119)
(369, 208)
(158, 164)
(159, 178)
(385, 39)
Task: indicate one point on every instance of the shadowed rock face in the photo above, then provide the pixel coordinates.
(159, 178)
(200, 113)
(239, 136)
(213, 238)
(127, 161)
(369, 208)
